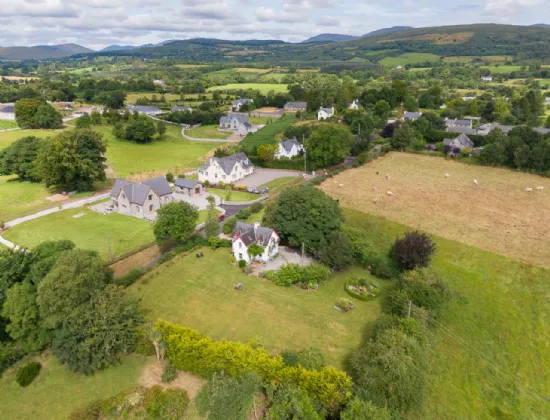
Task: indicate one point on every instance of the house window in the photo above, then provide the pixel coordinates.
(240, 244)
(206, 173)
(216, 176)
(240, 256)
(223, 176)
(151, 207)
(150, 197)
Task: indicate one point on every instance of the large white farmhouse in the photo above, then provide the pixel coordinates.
(325, 113)
(227, 169)
(289, 149)
(246, 234)
(141, 199)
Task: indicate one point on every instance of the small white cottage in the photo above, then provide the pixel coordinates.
(244, 235)
(325, 113)
(288, 149)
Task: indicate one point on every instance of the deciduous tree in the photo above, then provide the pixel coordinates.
(328, 145)
(175, 221)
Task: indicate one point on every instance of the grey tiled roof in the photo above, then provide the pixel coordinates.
(224, 120)
(288, 144)
(7, 109)
(464, 123)
(145, 109)
(159, 185)
(465, 130)
(186, 183)
(329, 111)
(249, 236)
(296, 105)
(119, 183)
(239, 117)
(137, 192)
(460, 141)
(242, 101)
(227, 163)
(409, 115)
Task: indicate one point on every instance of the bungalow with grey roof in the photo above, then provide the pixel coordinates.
(227, 169)
(295, 106)
(289, 148)
(7, 112)
(411, 116)
(238, 123)
(180, 108)
(141, 199)
(245, 235)
(189, 187)
(238, 103)
(460, 142)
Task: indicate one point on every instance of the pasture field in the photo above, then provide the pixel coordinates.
(241, 196)
(409, 58)
(131, 98)
(470, 58)
(187, 289)
(208, 132)
(264, 88)
(491, 356)
(56, 392)
(7, 124)
(173, 153)
(273, 76)
(8, 137)
(268, 134)
(504, 69)
(88, 231)
(496, 215)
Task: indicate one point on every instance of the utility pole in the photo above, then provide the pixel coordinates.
(410, 307)
(359, 134)
(109, 245)
(305, 153)
(302, 259)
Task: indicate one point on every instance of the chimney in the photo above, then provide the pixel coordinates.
(256, 226)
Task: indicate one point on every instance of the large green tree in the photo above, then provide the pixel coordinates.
(73, 159)
(141, 129)
(357, 409)
(20, 158)
(212, 224)
(46, 116)
(25, 110)
(328, 145)
(303, 215)
(292, 403)
(175, 221)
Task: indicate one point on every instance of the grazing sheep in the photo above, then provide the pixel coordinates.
(447, 175)
(528, 190)
(389, 193)
(388, 177)
(539, 188)
(375, 200)
(374, 188)
(340, 185)
(475, 182)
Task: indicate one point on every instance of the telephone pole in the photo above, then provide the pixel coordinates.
(305, 154)
(302, 259)
(109, 245)
(410, 307)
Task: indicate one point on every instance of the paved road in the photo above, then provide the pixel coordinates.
(263, 175)
(228, 140)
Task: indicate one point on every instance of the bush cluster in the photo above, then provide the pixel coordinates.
(244, 214)
(193, 352)
(26, 374)
(130, 278)
(308, 277)
(216, 242)
(414, 250)
(9, 354)
(169, 373)
(362, 288)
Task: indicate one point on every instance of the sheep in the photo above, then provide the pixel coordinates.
(375, 200)
(340, 185)
(389, 193)
(475, 182)
(388, 177)
(539, 188)
(447, 175)
(528, 190)
(374, 188)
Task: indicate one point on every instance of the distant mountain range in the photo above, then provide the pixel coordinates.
(329, 38)
(387, 30)
(540, 25)
(42, 52)
(133, 47)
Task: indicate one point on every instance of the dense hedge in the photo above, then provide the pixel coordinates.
(309, 276)
(293, 164)
(9, 354)
(193, 352)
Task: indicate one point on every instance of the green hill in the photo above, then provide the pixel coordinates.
(41, 52)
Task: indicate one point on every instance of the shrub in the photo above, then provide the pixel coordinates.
(345, 305)
(311, 358)
(190, 243)
(9, 354)
(380, 266)
(242, 263)
(414, 250)
(170, 177)
(290, 357)
(229, 225)
(169, 372)
(192, 352)
(28, 373)
(169, 404)
(214, 242)
(361, 288)
(256, 207)
(167, 257)
(92, 411)
(315, 274)
(309, 277)
(243, 214)
(357, 409)
(131, 277)
(466, 151)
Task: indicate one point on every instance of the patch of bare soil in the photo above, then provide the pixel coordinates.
(152, 374)
(138, 260)
(57, 197)
(267, 110)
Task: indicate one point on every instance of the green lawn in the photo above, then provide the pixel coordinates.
(131, 98)
(20, 198)
(208, 132)
(504, 69)
(173, 153)
(7, 124)
(8, 137)
(235, 195)
(203, 215)
(492, 353)
(409, 58)
(57, 392)
(273, 76)
(88, 232)
(267, 134)
(264, 88)
(260, 120)
(279, 182)
(199, 293)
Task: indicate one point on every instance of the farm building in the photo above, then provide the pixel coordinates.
(460, 142)
(295, 106)
(244, 235)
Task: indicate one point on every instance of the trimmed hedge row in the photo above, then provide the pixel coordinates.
(193, 352)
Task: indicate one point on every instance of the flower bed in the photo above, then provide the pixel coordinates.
(344, 305)
(361, 288)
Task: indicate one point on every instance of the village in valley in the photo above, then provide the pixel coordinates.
(338, 229)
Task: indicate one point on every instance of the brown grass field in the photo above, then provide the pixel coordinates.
(496, 215)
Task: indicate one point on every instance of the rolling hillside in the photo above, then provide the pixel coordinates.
(329, 38)
(41, 52)
(387, 30)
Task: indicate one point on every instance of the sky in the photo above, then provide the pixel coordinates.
(98, 23)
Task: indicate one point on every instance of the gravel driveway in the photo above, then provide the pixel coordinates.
(287, 256)
(263, 175)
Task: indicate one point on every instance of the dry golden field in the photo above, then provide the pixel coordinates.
(497, 215)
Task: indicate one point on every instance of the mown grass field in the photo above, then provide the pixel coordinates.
(409, 58)
(8, 137)
(173, 153)
(187, 289)
(208, 132)
(496, 215)
(267, 135)
(90, 231)
(492, 343)
(504, 69)
(7, 124)
(264, 88)
(239, 196)
(56, 392)
(131, 98)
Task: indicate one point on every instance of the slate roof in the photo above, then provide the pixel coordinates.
(249, 236)
(137, 192)
(463, 123)
(145, 109)
(296, 105)
(239, 117)
(186, 183)
(329, 111)
(228, 163)
(242, 101)
(465, 130)
(224, 120)
(7, 109)
(289, 144)
(461, 141)
(410, 115)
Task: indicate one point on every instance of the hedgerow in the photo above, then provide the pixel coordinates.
(193, 352)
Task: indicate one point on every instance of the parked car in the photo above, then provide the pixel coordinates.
(254, 191)
(263, 190)
(221, 217)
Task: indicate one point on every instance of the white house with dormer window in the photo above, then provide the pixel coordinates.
(244, 235)
(325, 113)
(228, 169)
(288, 149)
(355, 105)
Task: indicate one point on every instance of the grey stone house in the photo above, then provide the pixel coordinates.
(141, 199)
(238, 123)
(461, 142)
(238, 103)
(189, 187)
(411, 116)
(295, 106)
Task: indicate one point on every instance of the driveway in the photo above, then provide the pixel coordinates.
(263, 175)
(287, 256)
(199, 201)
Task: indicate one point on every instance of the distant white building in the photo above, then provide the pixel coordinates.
(159, 82)
(181, 108)
(487, 78)
(548, 100)
(288, 149)
(238, 123)
(237, 104)
(145, 110)
(227, 169)
(245, 235)
(468, 98)
(355, 105)
(325, 113)
(7, 112)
